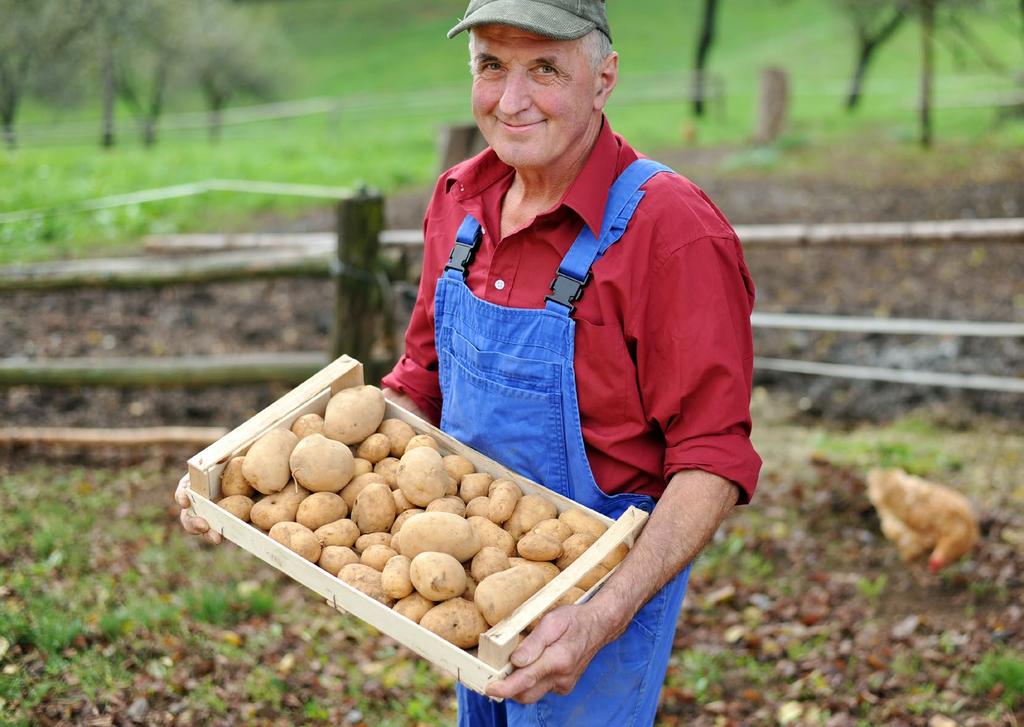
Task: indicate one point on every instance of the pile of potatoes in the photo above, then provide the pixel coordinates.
(385, 510)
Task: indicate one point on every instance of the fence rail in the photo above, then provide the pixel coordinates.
(352, 257)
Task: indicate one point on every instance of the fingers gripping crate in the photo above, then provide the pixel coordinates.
(474, 668)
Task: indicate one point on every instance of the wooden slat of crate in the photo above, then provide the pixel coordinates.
(498, 643)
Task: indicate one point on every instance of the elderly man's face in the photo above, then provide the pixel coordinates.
(537, 101)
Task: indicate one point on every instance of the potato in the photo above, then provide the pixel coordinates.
(402, 517)
(398, 433)
(388, 469)
(319, 509)
(457, 621)
(421, 440)
(616, 556)
(365, 579)
(504, 496)
(402, 502)
(529, 511)
(568, 599)
(547, 570)
(238, 505)
(451, 504)
(440, 532)
(488, 561)
(470, 586)
(457, 466)
(500, 594)
(474, 485)
(421, 476)
(395, 577)
(478, 507)
(308, 424)
(534, 546)
(321, 464)
(592, 576)
(374, 448)
(340, 532)
(490, 534)
(396, 542)
(437, 576)
(279, 507)
(377, 556)
(579, 522)
(360, 466)
(375, 508)
(353, 488)
(573, 548)
(553, 528)
(354, 414)
(365, 541)
(414, 606)
(297, 538)
(335, 557)
(266, 463)
(233, 482)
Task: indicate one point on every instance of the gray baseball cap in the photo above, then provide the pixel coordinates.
(559, 19)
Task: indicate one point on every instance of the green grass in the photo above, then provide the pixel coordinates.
(385, 50)
(910, 444)
(1002, 671)
(101, 590)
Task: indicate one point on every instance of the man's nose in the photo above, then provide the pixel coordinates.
(515, 96)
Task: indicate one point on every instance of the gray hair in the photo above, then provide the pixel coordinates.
(595, 44)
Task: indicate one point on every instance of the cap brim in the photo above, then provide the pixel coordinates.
(540, 18)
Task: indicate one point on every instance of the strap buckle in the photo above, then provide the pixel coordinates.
(566, 290)
(461, 257)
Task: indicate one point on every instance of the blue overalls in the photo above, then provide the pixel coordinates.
(509, 390)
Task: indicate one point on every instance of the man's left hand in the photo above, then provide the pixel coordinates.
(554, 656)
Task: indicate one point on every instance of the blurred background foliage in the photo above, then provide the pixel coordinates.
(102, 97)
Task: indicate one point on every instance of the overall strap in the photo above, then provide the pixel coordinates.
(467, 240)
(574, 270)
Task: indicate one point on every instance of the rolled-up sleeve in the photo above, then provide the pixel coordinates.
(695, 359)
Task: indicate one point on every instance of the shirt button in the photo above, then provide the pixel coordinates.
(499, 284)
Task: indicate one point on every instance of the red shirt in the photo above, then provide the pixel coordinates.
(664, 355)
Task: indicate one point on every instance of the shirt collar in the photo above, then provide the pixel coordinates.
(586, 196)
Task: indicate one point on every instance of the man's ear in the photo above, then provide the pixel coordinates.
(607, 77)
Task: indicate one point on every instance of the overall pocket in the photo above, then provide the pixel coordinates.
(507, 407)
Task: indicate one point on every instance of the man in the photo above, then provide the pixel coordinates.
(583, 317)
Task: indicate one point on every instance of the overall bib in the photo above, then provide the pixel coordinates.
(509, 390)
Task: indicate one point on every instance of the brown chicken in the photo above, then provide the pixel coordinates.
(918, 515)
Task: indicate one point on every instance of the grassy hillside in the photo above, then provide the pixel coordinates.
(400, 80)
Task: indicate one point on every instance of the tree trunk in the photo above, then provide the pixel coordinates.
(8, 104)
(156, 104)
(927, 69)
(109, 97)
(707, 37)
(868, 45)
(216, 120)
(9, 138)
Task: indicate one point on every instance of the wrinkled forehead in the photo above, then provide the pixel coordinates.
(506, 39)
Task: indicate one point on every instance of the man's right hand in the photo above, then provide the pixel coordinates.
(192, 523)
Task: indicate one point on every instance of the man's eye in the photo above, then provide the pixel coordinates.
(547, 70)
(490, 66)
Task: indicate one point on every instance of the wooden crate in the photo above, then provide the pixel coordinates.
(473, 668)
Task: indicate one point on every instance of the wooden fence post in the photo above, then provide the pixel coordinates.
(459, 142)
(772, 102)
(356, 269)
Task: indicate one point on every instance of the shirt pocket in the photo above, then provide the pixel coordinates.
(606, 382)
